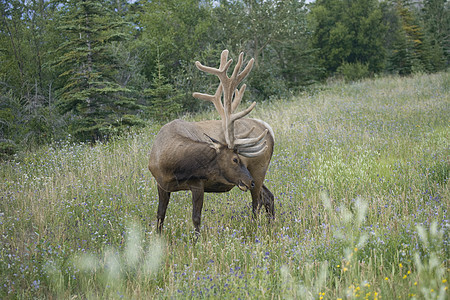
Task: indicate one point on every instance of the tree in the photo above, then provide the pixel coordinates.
(164, 99)
(27, 113)
(410, 51)
(95, 103)
(436, 19)
(181, 31)
(349, 31)
(275, 33)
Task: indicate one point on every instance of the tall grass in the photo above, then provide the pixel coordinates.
(360, 175)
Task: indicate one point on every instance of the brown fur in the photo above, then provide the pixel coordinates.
(183, 157)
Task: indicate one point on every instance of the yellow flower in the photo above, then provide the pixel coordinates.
(409, 272)
(356, 249)
(344, 269)
(385, 278)
(415, 283)
(404, 277)
(400, 265)
(444, 280)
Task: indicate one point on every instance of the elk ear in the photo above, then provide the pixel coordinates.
(215, 144)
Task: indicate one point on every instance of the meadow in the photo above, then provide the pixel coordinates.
(360, 175)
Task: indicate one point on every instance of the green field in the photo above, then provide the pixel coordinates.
(360, 175)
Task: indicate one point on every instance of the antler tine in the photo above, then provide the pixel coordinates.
(232, 97)
(220, 72)
(215, 99)
(243, 113)
(237, 67)
(241, 76)
(238, 97)
(224, 60)
(248, 142)
(253, 153)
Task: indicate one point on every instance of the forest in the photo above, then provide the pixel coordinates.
(88, 70)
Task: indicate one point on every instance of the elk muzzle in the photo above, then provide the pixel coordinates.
(246, 184)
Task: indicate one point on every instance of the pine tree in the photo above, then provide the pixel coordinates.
(436, 16)
(410, 48)
(164, 99)
(95, 103)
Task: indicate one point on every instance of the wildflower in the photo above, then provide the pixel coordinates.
(409, 272)
(356, 249)
(400, 265)
(415, 283)
(385, 278)
(404, 277)
(444, 280)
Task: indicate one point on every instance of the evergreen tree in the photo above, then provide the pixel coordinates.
(348, 31)
(95, 103)
(410, 51)
(436, 17)
(164, 99)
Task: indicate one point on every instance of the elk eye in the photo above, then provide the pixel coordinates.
(235, 160)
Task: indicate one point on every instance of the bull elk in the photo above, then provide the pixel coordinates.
(215, 155)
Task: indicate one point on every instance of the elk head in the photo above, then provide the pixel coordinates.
(232, 170)
(232, 96)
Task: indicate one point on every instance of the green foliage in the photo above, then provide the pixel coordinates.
(436, 17)
(88, 67)
(275, 34)
(348, 31)
(7, 149)
(353, 71)
(91, 97)
(164, 99)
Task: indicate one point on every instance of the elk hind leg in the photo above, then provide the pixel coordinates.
(164, 197)
(268, 201)
(197, 202)
(256, 199)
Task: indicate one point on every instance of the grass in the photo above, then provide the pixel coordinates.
(360, 175)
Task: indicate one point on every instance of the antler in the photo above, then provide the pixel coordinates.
(228, 86)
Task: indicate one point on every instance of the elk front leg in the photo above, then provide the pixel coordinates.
(197, 202)
(162, 207)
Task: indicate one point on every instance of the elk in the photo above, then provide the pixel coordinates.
(214, 156)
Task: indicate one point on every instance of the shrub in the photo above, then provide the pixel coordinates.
(353, 71)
